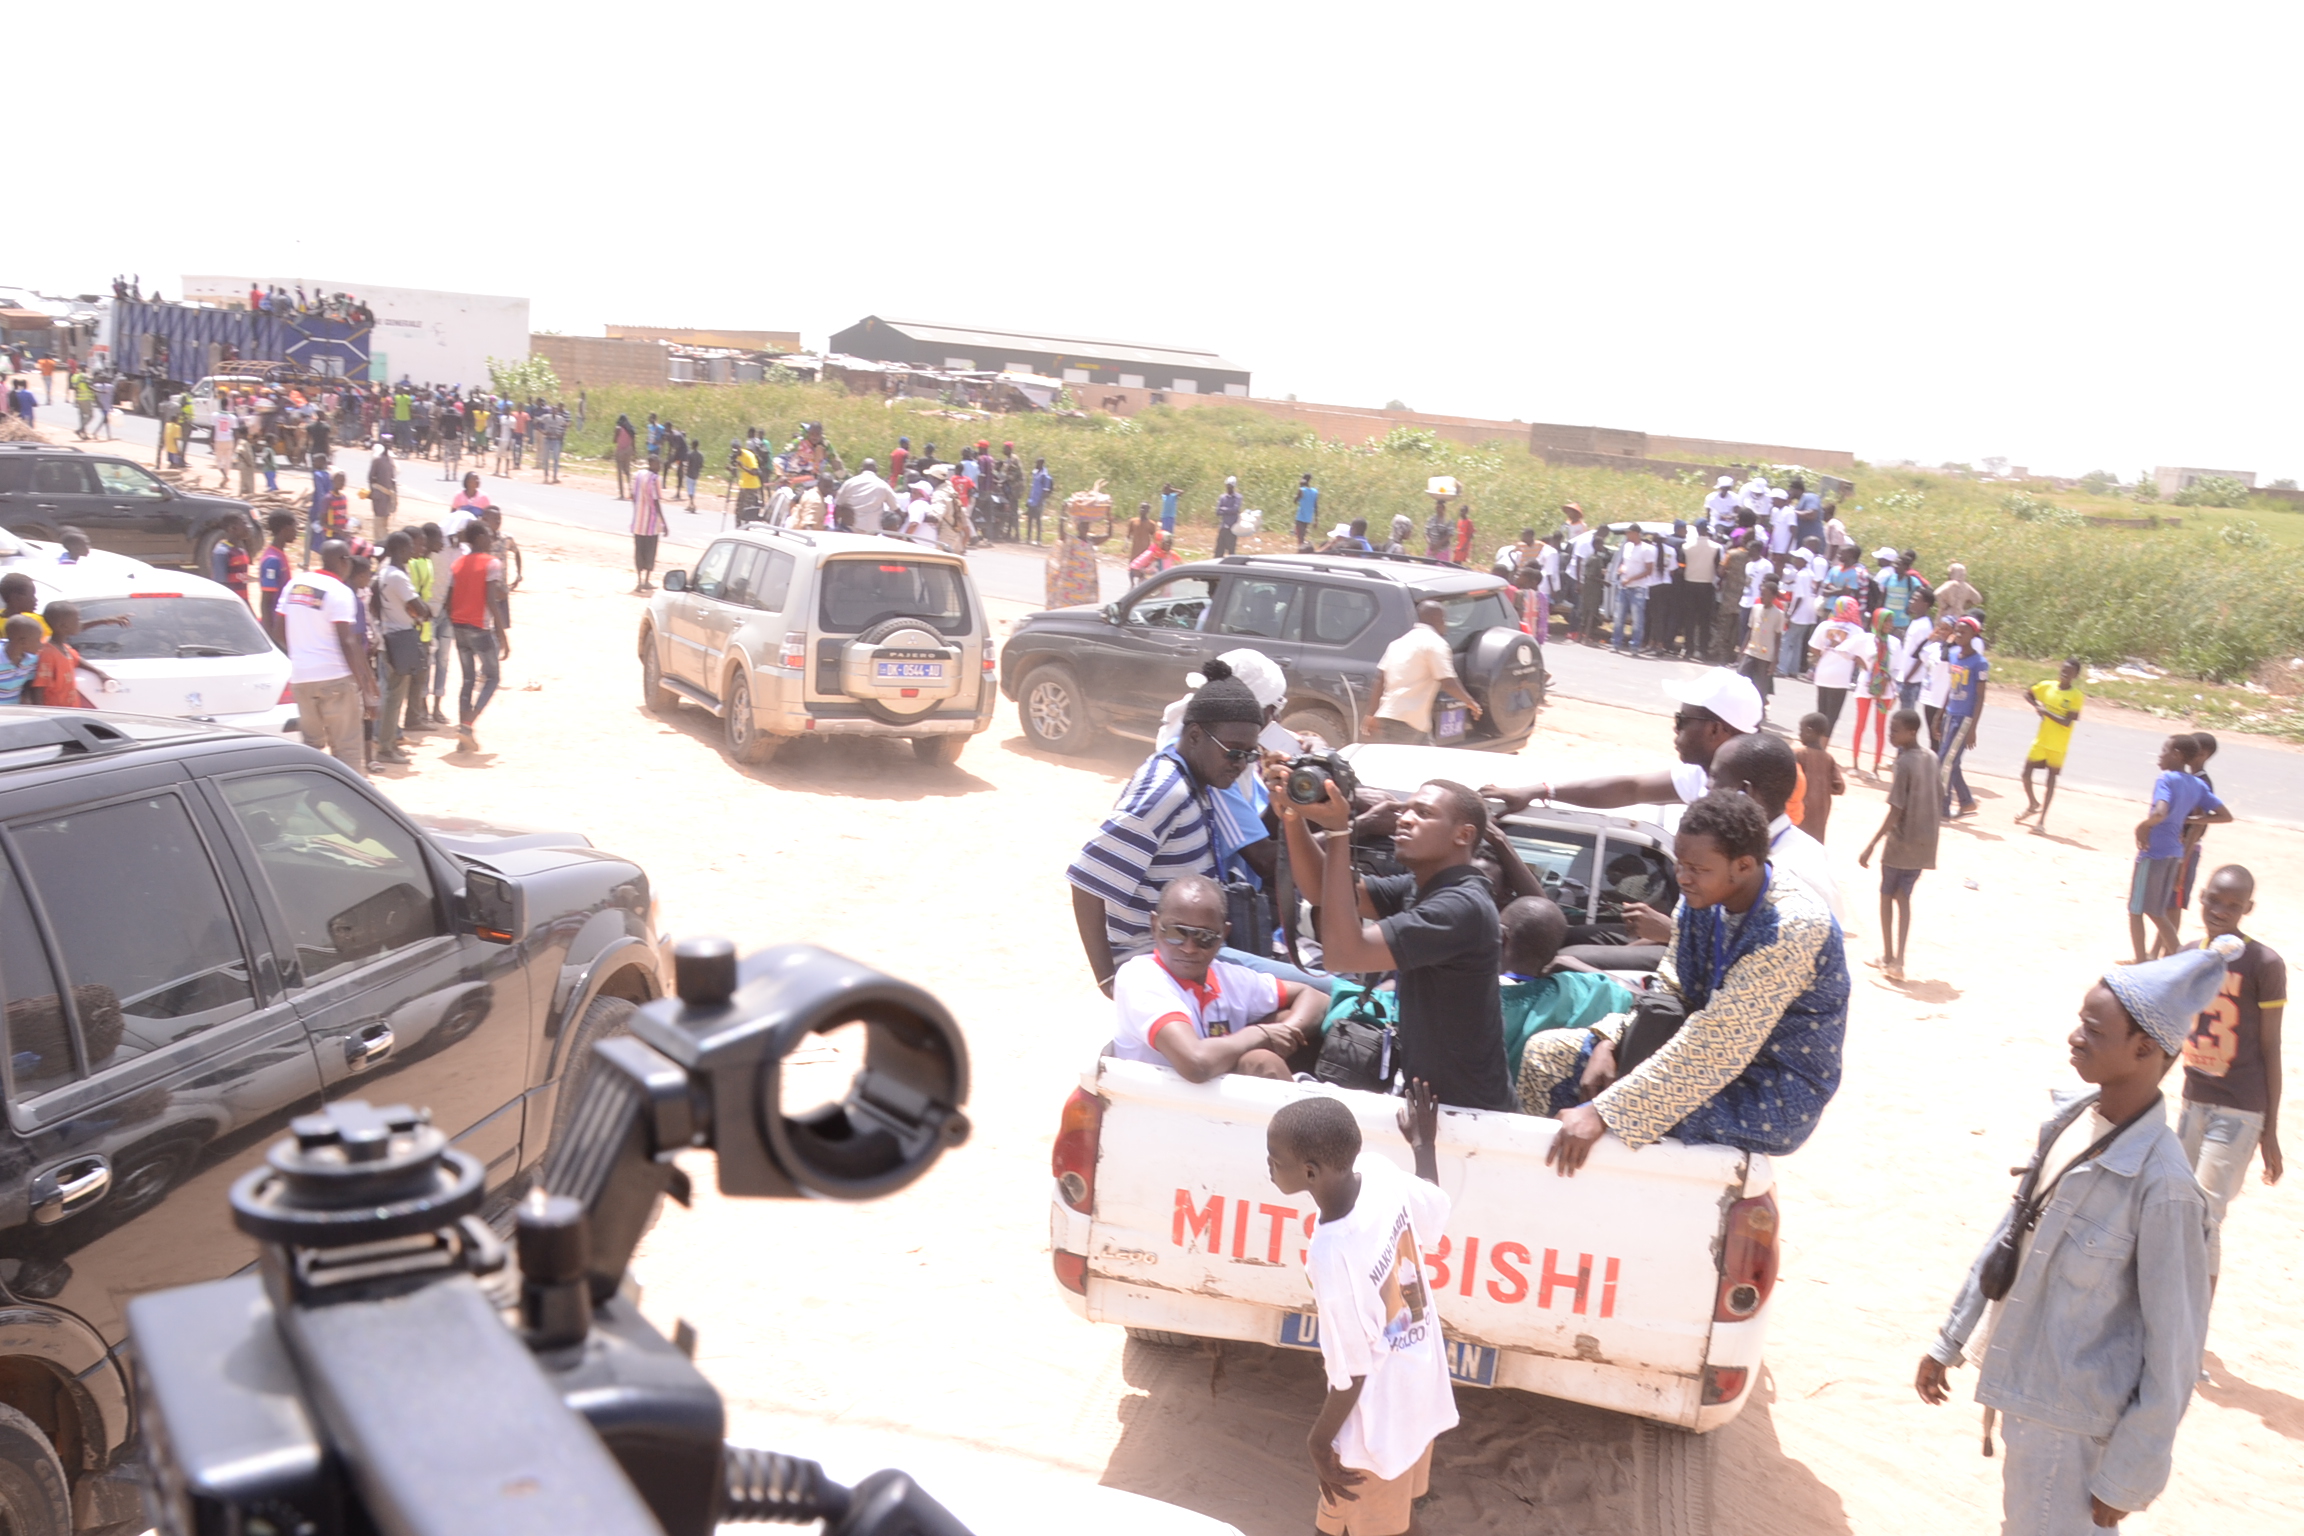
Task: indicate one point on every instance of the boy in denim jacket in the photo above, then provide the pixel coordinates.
(2092, 1353)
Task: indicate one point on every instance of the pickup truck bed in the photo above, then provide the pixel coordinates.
(1640, 1285)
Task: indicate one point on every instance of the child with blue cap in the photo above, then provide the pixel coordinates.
(2092, 1295)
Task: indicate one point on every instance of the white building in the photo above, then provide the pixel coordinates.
(431, 338)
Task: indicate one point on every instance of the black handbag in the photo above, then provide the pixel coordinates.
(1656, 1018)
(1997, 1277)
(1250, 917)
(1359, 1048)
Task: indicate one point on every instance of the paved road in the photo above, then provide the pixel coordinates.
(2262, 781)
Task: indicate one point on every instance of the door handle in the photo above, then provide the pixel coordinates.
(367, 1045)
(70, 1187)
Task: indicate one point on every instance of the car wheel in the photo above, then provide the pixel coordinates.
(1053, 711)
(938, 751)
(1312, 720)
(147, 1175)
(604, 1019)
(746, 742)
(204, 549)
(654, 696)
(35, 1500)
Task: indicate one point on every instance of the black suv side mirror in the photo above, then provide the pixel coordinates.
(1111, 613)
(675, 581)
(492, 906)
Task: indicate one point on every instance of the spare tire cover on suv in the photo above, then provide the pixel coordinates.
(1504, 670)
(925, 670)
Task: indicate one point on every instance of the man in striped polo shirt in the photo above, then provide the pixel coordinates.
(1161, 827)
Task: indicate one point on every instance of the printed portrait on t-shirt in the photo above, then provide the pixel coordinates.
(1406, 1302)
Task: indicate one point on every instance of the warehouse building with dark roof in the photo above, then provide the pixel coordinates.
(1074, 359)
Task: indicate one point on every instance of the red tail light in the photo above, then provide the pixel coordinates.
(1722, 1383)
(988, 661)
(794, 652)
(1074, 1160)
(1072, 1272)
(155, 594)
(1747, 1262)
(287, 694)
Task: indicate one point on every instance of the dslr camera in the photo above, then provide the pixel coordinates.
(1310, 774)
(392, 1365)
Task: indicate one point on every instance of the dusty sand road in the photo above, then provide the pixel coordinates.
(933, 1314)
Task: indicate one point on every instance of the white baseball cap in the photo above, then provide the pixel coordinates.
(1340, 530)
(1730, 695)
(1886, 552)
(1724, 482)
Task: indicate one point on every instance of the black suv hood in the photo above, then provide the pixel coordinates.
(486, 841)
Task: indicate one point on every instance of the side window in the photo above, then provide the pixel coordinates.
(1259, 606)
(15, 474)
(349, 881)
(39, 1035)
(62, 477)
(775, 581)
(743, 575)
(148, 942)
(1562, 863)
(1178, 604)
(125, 480)
(712, 571)
(1635, 872)
(1340, 613)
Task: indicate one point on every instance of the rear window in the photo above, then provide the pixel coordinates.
(1471, 612)
(857, 594)
(167, 627)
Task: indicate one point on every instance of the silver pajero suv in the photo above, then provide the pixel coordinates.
(783, 633)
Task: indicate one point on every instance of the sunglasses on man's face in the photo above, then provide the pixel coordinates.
(1236, 755)
(1192, 938)
(1684, 720)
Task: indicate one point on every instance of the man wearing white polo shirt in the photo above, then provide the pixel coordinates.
(327, 665)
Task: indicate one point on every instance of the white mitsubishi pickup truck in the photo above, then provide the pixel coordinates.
(1640, 1285)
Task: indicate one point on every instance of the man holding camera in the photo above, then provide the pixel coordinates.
(1415, 671)
(1435, 925)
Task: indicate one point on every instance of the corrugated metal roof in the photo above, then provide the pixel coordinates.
(1115, 351)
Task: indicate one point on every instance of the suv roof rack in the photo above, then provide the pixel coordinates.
(31, 740)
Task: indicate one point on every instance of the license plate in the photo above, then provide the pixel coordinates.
(1470, 1363)
(909, 671)
(1453, 721)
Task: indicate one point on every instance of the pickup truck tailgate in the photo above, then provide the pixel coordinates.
(1616, 1269)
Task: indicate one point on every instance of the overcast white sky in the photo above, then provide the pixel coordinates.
(2066, 234)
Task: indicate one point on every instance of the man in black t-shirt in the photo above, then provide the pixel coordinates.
(1435, 925)
(2232, 1059)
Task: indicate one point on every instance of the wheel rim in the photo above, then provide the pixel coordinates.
(739, 713)
(1050, 705)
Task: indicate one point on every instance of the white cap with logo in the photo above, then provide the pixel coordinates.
(1730, 695)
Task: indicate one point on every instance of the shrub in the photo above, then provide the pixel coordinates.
(2100, 482)
(2147, 488)
(2030, 509)
(2244, 535)
(528, 378)
(2212, 491)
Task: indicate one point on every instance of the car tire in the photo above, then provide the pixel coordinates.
(1053, 710)
(142, 1177)
(604, 1019)
(1313, 719)
(1673, 1469)
(747, 743)
(654, 696)
(35, 1499)
(938, 751)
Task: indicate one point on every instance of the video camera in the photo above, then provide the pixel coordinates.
(392, 1366)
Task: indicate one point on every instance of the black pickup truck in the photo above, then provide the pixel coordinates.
(1325, 619)
(204, 933)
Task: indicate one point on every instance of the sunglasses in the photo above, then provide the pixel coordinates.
(1683, 720)
(1236, 754)
(1194, 938)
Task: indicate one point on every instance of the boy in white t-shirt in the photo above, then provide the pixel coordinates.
(1182, 1007)
(1388, 1393)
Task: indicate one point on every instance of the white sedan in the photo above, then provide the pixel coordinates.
(190, 648)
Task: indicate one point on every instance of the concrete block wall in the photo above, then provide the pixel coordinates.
(583, 362)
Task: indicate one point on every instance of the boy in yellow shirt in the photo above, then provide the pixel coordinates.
(2058, 706)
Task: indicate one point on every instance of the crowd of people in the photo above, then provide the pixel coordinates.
(1466, 952)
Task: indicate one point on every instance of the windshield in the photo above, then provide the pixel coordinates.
(1562, 860)
(168, 627)
(858, 594)
(1471, 612)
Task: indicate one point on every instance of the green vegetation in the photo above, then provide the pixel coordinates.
(529, 378)
(2221, 597)
(2212, 491)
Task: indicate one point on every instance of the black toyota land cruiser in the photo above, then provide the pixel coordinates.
(202, 934)
(1325, 619)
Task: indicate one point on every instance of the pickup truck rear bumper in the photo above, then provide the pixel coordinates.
(1732, 1356)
